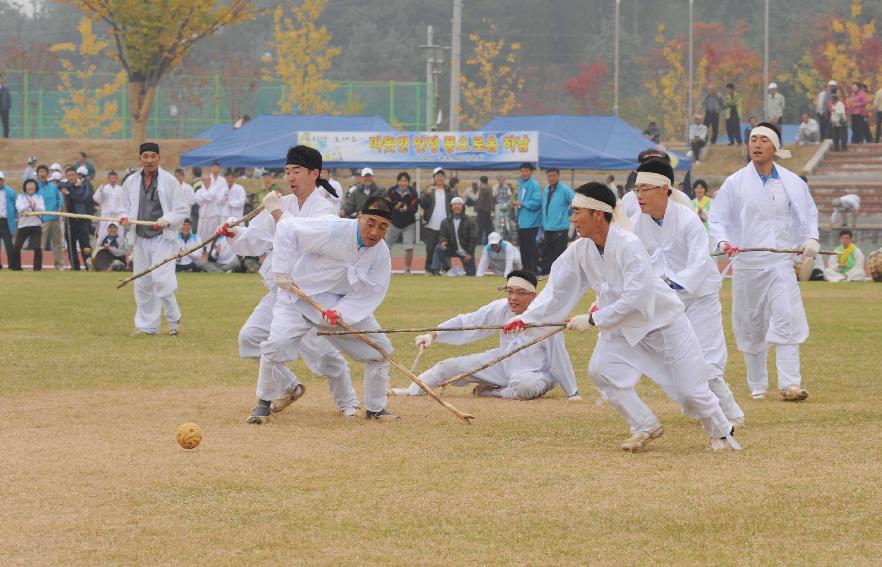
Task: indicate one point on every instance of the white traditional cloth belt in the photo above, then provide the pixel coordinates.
(517, 281)
(581, 201)
(654, 179)
(773, 137)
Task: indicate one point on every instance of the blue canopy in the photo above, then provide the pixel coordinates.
(264, 140)
(214, 132)
(584, 142)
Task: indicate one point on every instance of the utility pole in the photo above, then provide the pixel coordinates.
(691, 102)
(456, 42)
(765, 57)
(616, 63)
(434, 69)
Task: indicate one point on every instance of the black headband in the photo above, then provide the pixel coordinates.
(378, 212)
(149, 147)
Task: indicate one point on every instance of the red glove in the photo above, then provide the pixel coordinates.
(593, 309)
(123, 220)
(225, 230)
(730, 250)
(158, 226)
(331, 317)
(513, 327)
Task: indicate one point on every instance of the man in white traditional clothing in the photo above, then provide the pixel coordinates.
(212, 201)
(306, 200)
(499, 256)
(153, 194)
(110, 198)
(643, 326)
(764, 205)
(526, 375)
(344, 265)
(236, 195)
(676, 241)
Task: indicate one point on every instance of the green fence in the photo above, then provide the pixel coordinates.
(186, 105)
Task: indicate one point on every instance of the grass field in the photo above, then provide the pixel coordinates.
(92, 475)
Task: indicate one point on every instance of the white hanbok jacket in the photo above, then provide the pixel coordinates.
(628, 301)
(549, 356)
(111, 199)
(212, 199)
(235, 200)
(174, 206)
(678, 249)
(323, 257)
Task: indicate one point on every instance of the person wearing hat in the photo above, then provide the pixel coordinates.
(344, 265)
(642, 324)
(764, 205)
(435, 202)
(499, 255)
(526, 375)
(77, 190)
(822, 108)
(109, 197)
(677, 243)
(697, 138)
(457, 238)
(360, 195)
(529, 207)
(310, 197)
(775, 105)
(84, 162)
(51, 232)
(30, 171)
(153, 194)
(7, 217)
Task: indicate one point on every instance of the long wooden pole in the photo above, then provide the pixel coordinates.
(188, 251)
(777, 251)
(386, 356)
(84, 217)
(430, 329)
(499, 358)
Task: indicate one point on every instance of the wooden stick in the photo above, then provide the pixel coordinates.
(84, 217)
(499, 358)
(416, 360)
(188, 251)
(429, 329)
(776, 250)
(386, 356)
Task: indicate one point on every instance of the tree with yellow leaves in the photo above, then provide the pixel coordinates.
(152, 38)
(87, 111)
(666, 84)
(303, 59)
(490, 85)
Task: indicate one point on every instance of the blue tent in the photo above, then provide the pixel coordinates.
(264, 140)
(584, 142)
(214, 132)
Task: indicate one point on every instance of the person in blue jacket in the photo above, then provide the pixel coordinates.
(529, 207)
(7, 216)
(52, 232)
(556, 213)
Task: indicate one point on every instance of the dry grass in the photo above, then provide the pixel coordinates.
(723, 160)
(92, 474)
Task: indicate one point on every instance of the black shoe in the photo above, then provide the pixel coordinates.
(381, 415)
(260, 414)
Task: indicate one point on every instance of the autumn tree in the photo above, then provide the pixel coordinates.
(152, 38)
(585, 87)
(304, 57)
(88, 104)
(490, 86)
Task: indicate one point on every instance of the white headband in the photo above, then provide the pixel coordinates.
(650, 178)
(773, 137)
(581, 201)
(517, 281)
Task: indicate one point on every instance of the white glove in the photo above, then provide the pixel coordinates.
(283, 281)
(580, 323)
(424, 341)
(272, 202)
(810, 248)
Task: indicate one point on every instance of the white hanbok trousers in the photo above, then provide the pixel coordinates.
(156, 290)
(318, 354)
(289, 328)
(767, 310)
(706, 316)
(515, 386)
(670, 357)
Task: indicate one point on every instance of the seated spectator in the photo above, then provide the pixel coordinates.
(697, 137)
(457, 238)
(115, 244)
(702, 202)
(220, 256)
(809, 131)
(500, 256)
(848, 264)
(844, 206)
(187, 238)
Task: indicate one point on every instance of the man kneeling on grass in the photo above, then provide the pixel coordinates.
(526, 375)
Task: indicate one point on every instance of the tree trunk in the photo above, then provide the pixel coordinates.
(141, 96)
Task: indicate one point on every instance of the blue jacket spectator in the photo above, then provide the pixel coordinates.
(11, 213)
(48, 190)
(530, 210)
(556, 211)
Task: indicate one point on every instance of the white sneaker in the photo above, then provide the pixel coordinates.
(641, 439)
(727, 442)
(350, 412)
(398, 391)
(758, 395)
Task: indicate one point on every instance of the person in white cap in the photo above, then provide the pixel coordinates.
(435, 202)
(764, 205)
(153, 194)
(822, 109)
(457, 238)
(500, 256)
(643, 327)
(51, 233)
(77, 191)
(110, 198)
(677, 243)
(356, 198)
(774, 105)
(526, 375)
